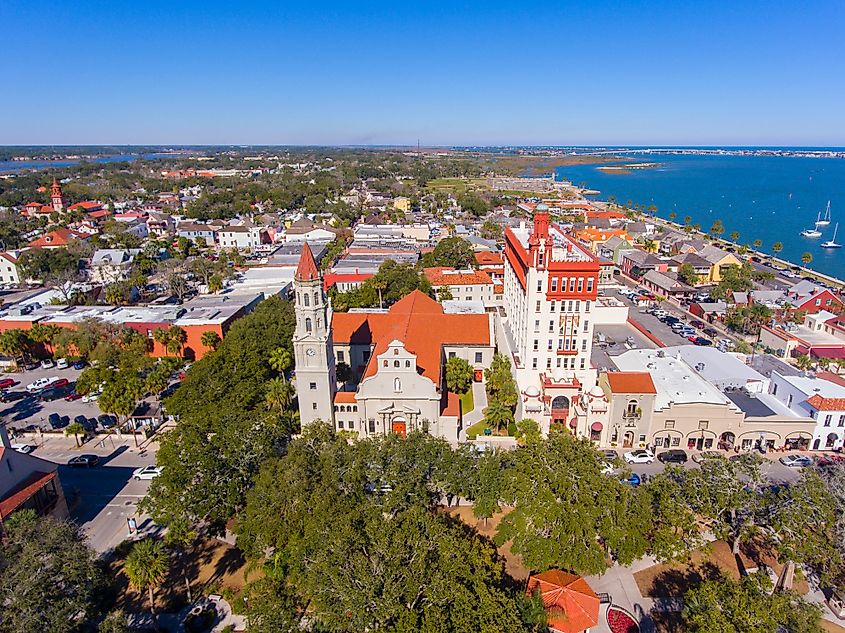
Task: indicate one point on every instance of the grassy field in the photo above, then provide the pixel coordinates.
(457, 186)
(467, 402)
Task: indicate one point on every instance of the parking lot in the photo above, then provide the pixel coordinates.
(29, 411)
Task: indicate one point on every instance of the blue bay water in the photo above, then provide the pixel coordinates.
(770, 198)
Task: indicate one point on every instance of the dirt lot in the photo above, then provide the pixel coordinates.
(215, 567)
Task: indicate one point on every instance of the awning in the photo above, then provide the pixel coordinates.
(573, 423)
(596, 426)
(828, 352)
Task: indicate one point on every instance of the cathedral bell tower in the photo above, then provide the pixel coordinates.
(312, 343)
(56, 198)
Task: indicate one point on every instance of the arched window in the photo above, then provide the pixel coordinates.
(408, 364)
(305, 298)
(397, 385)
(307, 322)
(396, 351)
(316, 298)
(319, 322)
(631, 409)
(396, 363)
(384, 364)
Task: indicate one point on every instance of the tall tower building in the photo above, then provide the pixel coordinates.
(312, 343)
(56, 198)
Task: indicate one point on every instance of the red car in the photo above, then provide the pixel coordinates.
(73, 396)
(61, 382)
(6, 383)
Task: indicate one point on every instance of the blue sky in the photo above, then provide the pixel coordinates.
(592, 72)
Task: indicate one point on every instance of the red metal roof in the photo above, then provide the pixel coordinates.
(23, 491)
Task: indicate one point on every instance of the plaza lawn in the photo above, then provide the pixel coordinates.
(467, 402)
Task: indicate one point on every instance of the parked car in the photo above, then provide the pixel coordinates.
(709, 331)
(83, 461)
(705, 455)
(701, 341)
(673, 456)
(12, 396)
(146, 472)
(80, 364)
(57, 421)
(698, 324)
(106, 421)
(72, 396)
(609, 454)
(39, 384)
(89, 424)
(90, 397)
(47, 364)
(62, 363)
(59, 382)
(633, 480)
(796, 461)
(5, 383)
(53, 393)
(26, 449)
(640, 456)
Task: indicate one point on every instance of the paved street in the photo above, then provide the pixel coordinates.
(101, 498)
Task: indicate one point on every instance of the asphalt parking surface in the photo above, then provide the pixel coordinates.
(30, 411)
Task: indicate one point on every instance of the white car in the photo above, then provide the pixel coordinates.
(26, 449)
(40, 384)
(90, 397)
(796, 461)
(47, 364)
(607, 468)
(146, 472)
(641, 456)
(61, 363)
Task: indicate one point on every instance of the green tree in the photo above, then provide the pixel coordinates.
(459, 375)
(687, 274)
(380, 285)
(806, 259)
(673, 531)
(14, 343)
(210, 340)
(758, 243)
(444, 293)
(672, 215)
(215, 283)
(717, 228)
(777, 247)
(451, 251)
(176, 339)
(147, 566)
(75, 429)
(734, 236)
(723, 605)
(279, 394)
(50, 578)
(498, 415)
(281, 360)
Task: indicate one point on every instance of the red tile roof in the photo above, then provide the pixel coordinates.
(571, 604)
(450, 404)
(485, 258)
(59, 237)
(87, 205)
(445, 276)
(345, 397)
(420, 323)
(826, 404)
(23, 491)
(307, 269)
(630, 382)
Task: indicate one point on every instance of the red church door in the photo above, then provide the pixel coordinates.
(400, 428)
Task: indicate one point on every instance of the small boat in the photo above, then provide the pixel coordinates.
(831, 243)
(814, 232)
(824, 221)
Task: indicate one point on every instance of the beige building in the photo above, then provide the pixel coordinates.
(463, 285)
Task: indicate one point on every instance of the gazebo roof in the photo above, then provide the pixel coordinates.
(571, 604)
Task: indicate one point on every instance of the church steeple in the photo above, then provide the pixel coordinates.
(56, 198)
(312, 342)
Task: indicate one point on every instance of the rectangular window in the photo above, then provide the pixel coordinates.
(570, 306)
(583, 345)
(372, 425)
(479, 357)
(558, 361)
(537, 325)
(789, 401)
(669, 424)
(550, 344)
(827, 419)
(340, 424)
(842, 420)
(539, 285)
(451, 354)
(560, 344)
(577, 305)
(314, 406)
(553, 305)
(340, 355)
(533, 363)
(312, 386)
(572, 285)
(703, 425)
(537, 307)
(554, 284)
(583, 363)
(580, 284)
(536, 344)
(587, 307)
(563, 284)
(676, 441)
(548, 363)
(589, 284)
(641, 439)
(586, 326)
(551, 326)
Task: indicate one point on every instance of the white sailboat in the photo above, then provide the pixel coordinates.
(824, 221)
(831, 243)
(814, 232)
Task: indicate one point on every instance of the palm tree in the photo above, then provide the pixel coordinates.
(215, 284)
(14, 343)
(75, 429)
(777, 247)
(176, 339)
(687, 219)
(758, 243)
(281, 360)
(279, 394)
(806, 258)
(147, 566)
(672, 215)
(379, 284)
(162, 337)
(734, 236)
(803, 361)
(498, 415)
(210, 340)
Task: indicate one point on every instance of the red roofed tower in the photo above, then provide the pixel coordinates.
(56, 198)
(312, 343)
